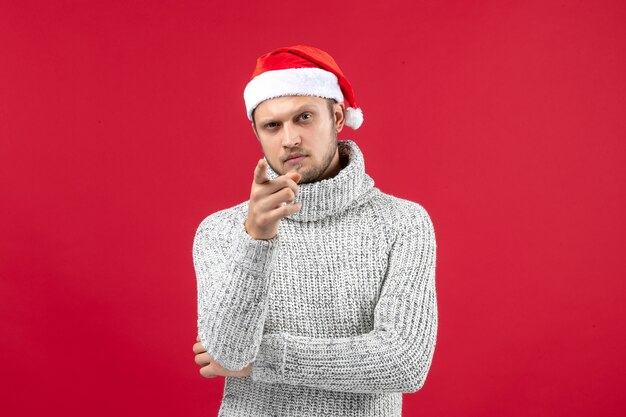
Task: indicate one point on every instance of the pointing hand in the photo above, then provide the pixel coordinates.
(270, 201)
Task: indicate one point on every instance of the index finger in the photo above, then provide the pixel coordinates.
(260, 173)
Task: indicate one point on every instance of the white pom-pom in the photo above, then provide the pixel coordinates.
(354, 117)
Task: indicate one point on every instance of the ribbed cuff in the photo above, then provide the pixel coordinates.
(269, 363)
(255, 256)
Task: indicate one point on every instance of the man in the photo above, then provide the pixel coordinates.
(317, 296)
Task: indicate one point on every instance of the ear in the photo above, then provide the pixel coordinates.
(340, 116)
(254, 130)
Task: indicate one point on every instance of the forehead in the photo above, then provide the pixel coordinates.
(285, 106)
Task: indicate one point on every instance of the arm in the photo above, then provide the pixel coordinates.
(233, 269)
(233, 278)
(395, 356)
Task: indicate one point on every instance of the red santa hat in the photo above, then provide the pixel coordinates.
(300, 71)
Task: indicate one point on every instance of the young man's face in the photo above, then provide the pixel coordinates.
(299, 133)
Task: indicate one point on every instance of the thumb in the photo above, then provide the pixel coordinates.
(295, 176)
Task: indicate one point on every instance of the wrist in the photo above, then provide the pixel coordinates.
(255, 235)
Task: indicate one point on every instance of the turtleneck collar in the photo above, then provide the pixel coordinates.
(351, 186)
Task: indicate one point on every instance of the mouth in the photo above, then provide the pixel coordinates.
(295, 159)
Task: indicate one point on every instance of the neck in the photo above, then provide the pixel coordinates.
(349, 186)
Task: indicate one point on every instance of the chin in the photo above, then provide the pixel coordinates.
(291, 168)
(304, 174)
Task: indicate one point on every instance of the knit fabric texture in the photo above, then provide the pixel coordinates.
(338, 312)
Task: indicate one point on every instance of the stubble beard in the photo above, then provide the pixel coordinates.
(315, 173)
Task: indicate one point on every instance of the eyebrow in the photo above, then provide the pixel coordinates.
(301, 109)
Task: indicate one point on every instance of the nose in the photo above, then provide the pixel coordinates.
(291, 136)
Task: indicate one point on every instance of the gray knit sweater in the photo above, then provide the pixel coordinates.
(338, 312)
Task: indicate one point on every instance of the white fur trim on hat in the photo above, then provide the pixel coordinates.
(291, 82)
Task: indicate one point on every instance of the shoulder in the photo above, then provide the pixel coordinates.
(402, 216)
(221, 223)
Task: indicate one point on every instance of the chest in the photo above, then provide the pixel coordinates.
(327, 278)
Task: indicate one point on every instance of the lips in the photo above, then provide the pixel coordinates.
(295, 157)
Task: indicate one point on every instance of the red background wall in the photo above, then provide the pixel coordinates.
(122, 126)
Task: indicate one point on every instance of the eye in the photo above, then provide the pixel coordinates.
(271, 125)
(305, 116)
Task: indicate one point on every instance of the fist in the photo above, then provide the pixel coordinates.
(209, 368)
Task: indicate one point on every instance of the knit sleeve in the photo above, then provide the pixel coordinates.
(395, 356)
(233, 278)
